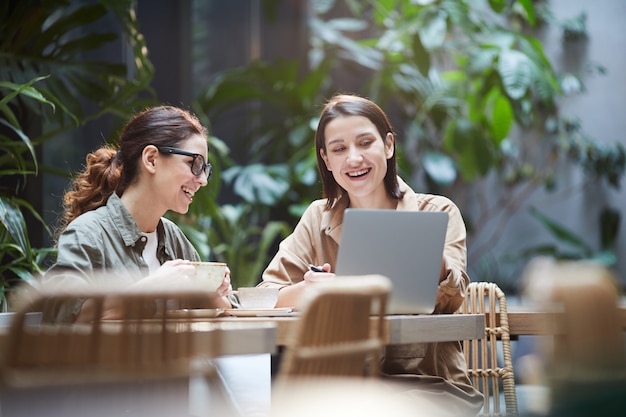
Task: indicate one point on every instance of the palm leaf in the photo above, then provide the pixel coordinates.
(561, 233)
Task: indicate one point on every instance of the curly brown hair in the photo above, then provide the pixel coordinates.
(93, 186)
(108, 170)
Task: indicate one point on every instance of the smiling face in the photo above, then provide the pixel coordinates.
(357, 156)
(176, 184)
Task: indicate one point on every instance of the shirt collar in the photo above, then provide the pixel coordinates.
(126, 225)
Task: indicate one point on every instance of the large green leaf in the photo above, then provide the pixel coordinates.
(561, 233)
(66, 20)
(529, 8)
(433, 29)
(544, 79)
(14, 150)
(25, 90)
(481, 60)
(515, 70)
(473, 150)
(440, 168)
(502, 116)
(422, 57)
(497, 5)
(579, 249)
(329, 32)
(13, 221)
(257, 183)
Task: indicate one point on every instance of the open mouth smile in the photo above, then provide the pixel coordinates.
(190, 193)
(359, 173)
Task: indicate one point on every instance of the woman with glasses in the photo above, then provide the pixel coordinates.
(113, 220)
(114, 223)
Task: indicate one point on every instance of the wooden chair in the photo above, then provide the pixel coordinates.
(485, 372)
(142, 362)
(334, 337)
(590, 338)
(585, 361)
(142, 343)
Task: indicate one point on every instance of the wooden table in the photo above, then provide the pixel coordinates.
(399, 329)
(523, 320)
(249, 344)
(235, 338)
(534, 321)
(250, 335)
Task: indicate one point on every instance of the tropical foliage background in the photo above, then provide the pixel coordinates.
(472, 96)
(51, 85)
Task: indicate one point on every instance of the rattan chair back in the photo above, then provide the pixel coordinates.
(489, 361)
(335, 335)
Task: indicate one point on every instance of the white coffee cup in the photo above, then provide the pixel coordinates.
(210, 275)
(257, 297)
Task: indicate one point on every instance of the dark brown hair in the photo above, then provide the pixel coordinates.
(342, 105)
(109, 170)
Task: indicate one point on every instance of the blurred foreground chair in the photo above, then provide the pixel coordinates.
(137, 365)
(334, 336)
(586, 360)
(347, 397)
(485, 372)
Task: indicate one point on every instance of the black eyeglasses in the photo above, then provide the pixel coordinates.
(197, 164)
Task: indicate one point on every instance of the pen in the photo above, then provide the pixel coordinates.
(315, 268)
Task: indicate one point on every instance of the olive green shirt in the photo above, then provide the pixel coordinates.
(107, 243)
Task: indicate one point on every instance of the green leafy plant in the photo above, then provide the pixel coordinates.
(52, 43)
(275, 171)
(569, 245)
(55, 37)
(470, 91)
(275, 137)
(18, 260)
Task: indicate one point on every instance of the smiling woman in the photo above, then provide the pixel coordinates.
(114, 224)
(356, 159)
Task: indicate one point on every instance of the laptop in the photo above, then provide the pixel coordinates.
(405, 246)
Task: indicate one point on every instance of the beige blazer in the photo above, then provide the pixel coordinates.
(315, 241)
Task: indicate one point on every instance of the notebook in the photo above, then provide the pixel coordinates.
(405, 246)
